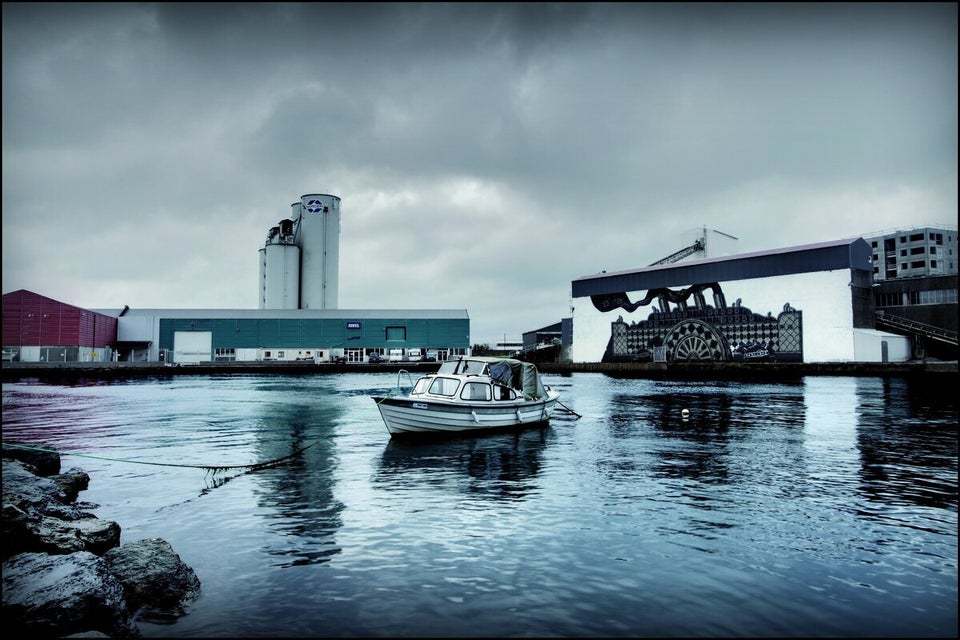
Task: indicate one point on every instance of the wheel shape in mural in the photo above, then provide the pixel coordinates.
(694, 340)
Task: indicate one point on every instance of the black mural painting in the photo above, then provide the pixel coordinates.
(692, 330)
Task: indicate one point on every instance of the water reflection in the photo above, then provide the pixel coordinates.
(298, 494)
(499, 466)
(907, 438)
(711, 433)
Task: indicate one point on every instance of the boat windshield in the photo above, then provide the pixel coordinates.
(448, 367)
(463, 367)
(421, 386)
(472, 367)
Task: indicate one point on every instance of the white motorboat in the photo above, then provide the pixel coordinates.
(471, 394)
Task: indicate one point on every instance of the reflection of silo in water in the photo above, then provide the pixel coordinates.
(280, 268)
(300, 493)
(318, 237)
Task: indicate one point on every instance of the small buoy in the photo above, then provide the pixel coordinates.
(685, 413)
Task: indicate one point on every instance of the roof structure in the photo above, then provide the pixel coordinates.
(850, 253)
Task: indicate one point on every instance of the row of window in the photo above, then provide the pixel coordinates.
(478, 391)
(915, 251)
(935, 296)
(916, 237)
(919, 264)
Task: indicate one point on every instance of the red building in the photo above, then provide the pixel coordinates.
(40, 329)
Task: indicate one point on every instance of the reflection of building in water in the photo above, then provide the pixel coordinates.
(705, 332)
(907, 438)
(721, 441)
(301, 494)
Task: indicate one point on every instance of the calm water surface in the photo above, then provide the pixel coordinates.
(825, 507)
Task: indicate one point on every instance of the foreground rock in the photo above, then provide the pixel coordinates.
(64, 570)
(154, 578)
(56, 595)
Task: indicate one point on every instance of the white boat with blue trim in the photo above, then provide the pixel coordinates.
(471, 394)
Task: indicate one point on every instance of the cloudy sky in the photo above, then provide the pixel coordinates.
(486, 154)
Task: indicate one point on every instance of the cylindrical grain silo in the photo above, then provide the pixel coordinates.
(280, 269)
(318, 237)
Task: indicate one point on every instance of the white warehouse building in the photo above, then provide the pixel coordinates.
(811, 303)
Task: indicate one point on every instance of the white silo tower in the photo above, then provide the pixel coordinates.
(280, 268)
(318, 236)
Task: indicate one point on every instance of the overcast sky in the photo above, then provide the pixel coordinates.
(486, 155)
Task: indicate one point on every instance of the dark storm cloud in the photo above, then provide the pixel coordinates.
(179, 133)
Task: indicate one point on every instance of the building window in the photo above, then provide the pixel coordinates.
(903, 252)
(920, 264)
(938, 296)
(917, 251)
(916, 236)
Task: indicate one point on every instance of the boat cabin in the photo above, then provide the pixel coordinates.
(459, 388)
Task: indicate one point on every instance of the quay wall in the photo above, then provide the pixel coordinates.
(72, 371)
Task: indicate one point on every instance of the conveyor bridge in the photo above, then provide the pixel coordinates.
(911, 327)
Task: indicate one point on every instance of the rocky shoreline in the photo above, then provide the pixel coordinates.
(65, 573)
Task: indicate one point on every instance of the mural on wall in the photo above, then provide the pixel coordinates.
(693, 330)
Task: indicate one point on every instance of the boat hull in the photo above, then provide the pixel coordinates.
(403, 415)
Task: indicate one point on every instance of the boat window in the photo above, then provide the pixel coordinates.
(444, 386)
(421, 386)
(475, 391)
(504, 393)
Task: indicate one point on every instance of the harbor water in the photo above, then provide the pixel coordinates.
(824, 507)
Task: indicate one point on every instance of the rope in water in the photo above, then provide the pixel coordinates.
(568, 409)
(210, 468)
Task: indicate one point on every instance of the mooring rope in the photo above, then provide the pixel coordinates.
(214, 469)
(569, 410)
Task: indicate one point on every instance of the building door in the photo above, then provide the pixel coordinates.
(192, 346)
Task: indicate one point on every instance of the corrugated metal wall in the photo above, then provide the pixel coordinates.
(319, 333)
(30, 319)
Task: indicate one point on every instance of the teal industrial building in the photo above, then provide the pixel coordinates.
(40, 329)
(194, 335)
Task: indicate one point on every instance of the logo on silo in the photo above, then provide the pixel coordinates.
(316, 206)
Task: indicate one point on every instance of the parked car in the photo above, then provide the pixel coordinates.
(374, 358)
